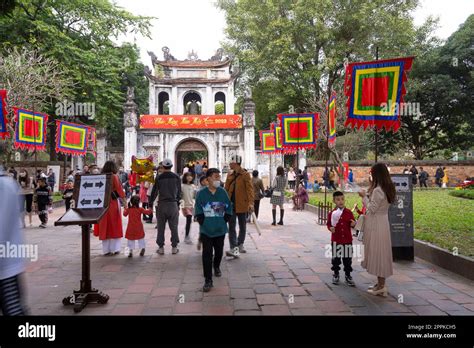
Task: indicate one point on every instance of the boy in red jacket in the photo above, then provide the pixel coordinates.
(339, 222)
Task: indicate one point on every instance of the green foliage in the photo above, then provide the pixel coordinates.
(442, 83)
(219, 108)
(469, 194)
(80, 34)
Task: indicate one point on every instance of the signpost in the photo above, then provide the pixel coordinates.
(91, 196)
(400, 216)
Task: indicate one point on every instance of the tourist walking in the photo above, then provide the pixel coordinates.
(326, 178)
(439, 176)
(135, 231)
(258, 191)
(109, 229)
(240, 190)
(188, 190)
(27, 190)
(423, 177)
(11, 302)
(305, 177)
(291, 178)
(414, 175)
(213, 210)
(445, 180)
(51, 179)
(278, 195)
(67, 194)
(168, 189)
(377, 241)
(42, 200)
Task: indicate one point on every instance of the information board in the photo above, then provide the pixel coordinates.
(91, 192)
(401, 214)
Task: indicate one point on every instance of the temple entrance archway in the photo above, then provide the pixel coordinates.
(190, 150)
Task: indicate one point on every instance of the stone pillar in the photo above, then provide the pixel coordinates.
(130, 124)
(208, 102)
(101, 157)
(249, 133)
(173, 104)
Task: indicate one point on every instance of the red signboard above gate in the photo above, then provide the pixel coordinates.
(190, 121)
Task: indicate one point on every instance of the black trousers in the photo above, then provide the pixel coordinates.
(10, 297)
(423, 183)
(43, 213)
(67, 201)
(256, 207)
(212, 251)
(341, 252)
(189, 220)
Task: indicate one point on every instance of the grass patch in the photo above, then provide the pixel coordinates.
(439, 217)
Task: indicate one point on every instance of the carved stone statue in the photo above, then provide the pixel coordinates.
(194, 108)
(153, 57)
(192, 55)
(130, 109)
(218, 55)
(166, 54)
(248, 93)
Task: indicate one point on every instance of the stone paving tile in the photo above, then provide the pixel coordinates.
(270, 299)
(284, 263)
(266, 289)
(427, 310)
(242, 293)
(447, 305)
(294, 290)
(275, 310)
(245, 304)
(188, 308)
(128, 309)
(300, 302)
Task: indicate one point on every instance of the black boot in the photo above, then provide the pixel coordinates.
(274, 214)
(282, 212)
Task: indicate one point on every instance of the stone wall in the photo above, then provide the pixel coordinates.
(457, 171)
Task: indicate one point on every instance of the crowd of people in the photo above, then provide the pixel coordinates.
(218, 206)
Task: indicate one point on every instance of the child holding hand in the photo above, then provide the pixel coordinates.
(135, 231)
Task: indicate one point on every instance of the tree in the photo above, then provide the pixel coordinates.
(79, 35)
(443, 85)
(31, 81)
(301, 46)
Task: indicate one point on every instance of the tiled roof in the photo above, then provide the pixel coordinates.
(193, 63)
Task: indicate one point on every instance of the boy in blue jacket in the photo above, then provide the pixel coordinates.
(212, 210)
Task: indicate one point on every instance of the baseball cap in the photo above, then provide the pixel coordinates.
(167, 163)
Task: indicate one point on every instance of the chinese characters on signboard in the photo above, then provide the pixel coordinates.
(190, 121)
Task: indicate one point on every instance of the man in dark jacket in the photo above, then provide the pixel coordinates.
(423, 177)
(438, 176)
(167, 187)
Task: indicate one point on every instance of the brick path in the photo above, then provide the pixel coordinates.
(284, 272)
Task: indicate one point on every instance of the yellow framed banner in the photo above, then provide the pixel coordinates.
(375, 92)
(30, 129)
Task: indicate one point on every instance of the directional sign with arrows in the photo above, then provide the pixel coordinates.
(401, 212)
(92, 191)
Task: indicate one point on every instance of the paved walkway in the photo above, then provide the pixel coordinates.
(284, 272)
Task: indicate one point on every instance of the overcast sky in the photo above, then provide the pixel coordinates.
(183, 25)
